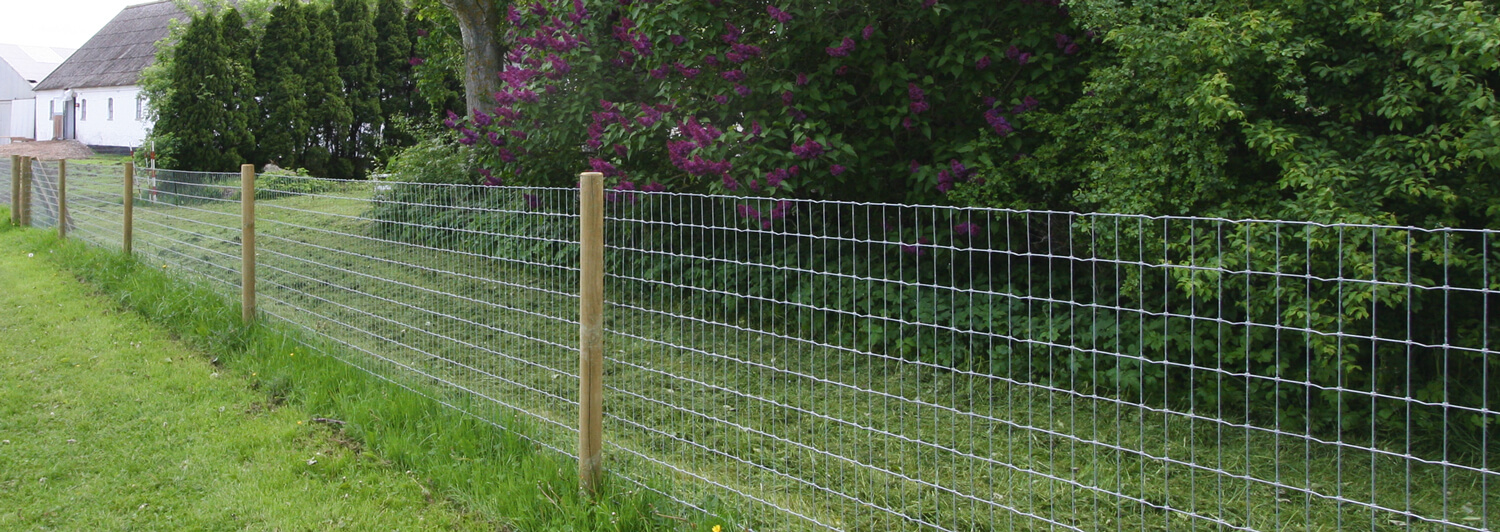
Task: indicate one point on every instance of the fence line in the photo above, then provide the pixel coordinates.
(835, 365)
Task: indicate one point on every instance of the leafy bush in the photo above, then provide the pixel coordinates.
(843, 99)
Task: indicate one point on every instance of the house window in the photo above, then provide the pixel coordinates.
(83, 113)
(140, 105)
(110, 109)
(52, 108)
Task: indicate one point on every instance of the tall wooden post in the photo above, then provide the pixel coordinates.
(129, 223)
(591, 330)
(62, 199)
(247, 242)
(15, 190)
(26, 192)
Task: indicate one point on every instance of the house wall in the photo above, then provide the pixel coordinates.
(22, 123)
(46, 100)
(94, 125)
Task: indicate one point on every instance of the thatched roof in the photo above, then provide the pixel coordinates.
(119, 52)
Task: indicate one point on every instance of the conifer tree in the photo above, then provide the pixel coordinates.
(327, 111)
(239, 100)
(282, 125)
(393, 50)
(354, 46)
(194, 116)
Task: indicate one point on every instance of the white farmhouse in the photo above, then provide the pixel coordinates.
(21, 68)
(95, 96)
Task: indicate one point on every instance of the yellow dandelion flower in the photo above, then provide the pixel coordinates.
(718, 528)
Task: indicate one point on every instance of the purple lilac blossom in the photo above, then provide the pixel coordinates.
(721, 99)
(678, 40)
(778, 15)
(868, 32)
(416, 61)
(731, 33)
(982, 63)
(734, 75)
(655, 187)
(967, 229)
(810, 149)
(836, 169)
(843, 49)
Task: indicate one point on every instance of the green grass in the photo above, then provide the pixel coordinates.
(458, 325)
(108, 424)
(469, 471)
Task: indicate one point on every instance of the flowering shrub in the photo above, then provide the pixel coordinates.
(791, 98)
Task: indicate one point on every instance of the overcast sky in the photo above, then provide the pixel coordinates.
(64, 23)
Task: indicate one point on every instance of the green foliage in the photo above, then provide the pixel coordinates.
(437, 78)
(282, 123)
(278, 182)
(393, 53)
(1347, 111)
(328, 111)
(888, 101)
(200, 111)
(355, 53)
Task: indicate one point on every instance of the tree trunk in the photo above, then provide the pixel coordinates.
(477, 20)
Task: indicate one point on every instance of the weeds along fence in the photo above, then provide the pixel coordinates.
(825, 365)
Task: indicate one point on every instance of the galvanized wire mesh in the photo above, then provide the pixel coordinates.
(5, 181)
(874, 367)
(805, 365)
(190, 222)
(43, 193)
(96, 203)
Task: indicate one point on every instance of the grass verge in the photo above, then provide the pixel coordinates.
(488, 471)
(108, 424)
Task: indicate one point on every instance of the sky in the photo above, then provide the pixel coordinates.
(61, 23)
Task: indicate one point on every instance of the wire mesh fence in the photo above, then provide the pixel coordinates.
(5, 181)
(43, 193)
(823, 365)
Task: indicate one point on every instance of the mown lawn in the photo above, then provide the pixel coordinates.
(107, 423)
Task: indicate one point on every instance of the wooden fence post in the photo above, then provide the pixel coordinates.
(15, 190)
(26, 192)
(62, 199)
(591, 330)
(247, 242)
(129, 204)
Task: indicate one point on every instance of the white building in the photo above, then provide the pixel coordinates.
(21, 68)
(95, 96)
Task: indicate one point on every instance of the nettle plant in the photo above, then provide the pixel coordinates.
(867, 100)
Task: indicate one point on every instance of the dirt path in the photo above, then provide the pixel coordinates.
(48, 150)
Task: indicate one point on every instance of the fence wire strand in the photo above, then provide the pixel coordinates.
(795, 364)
